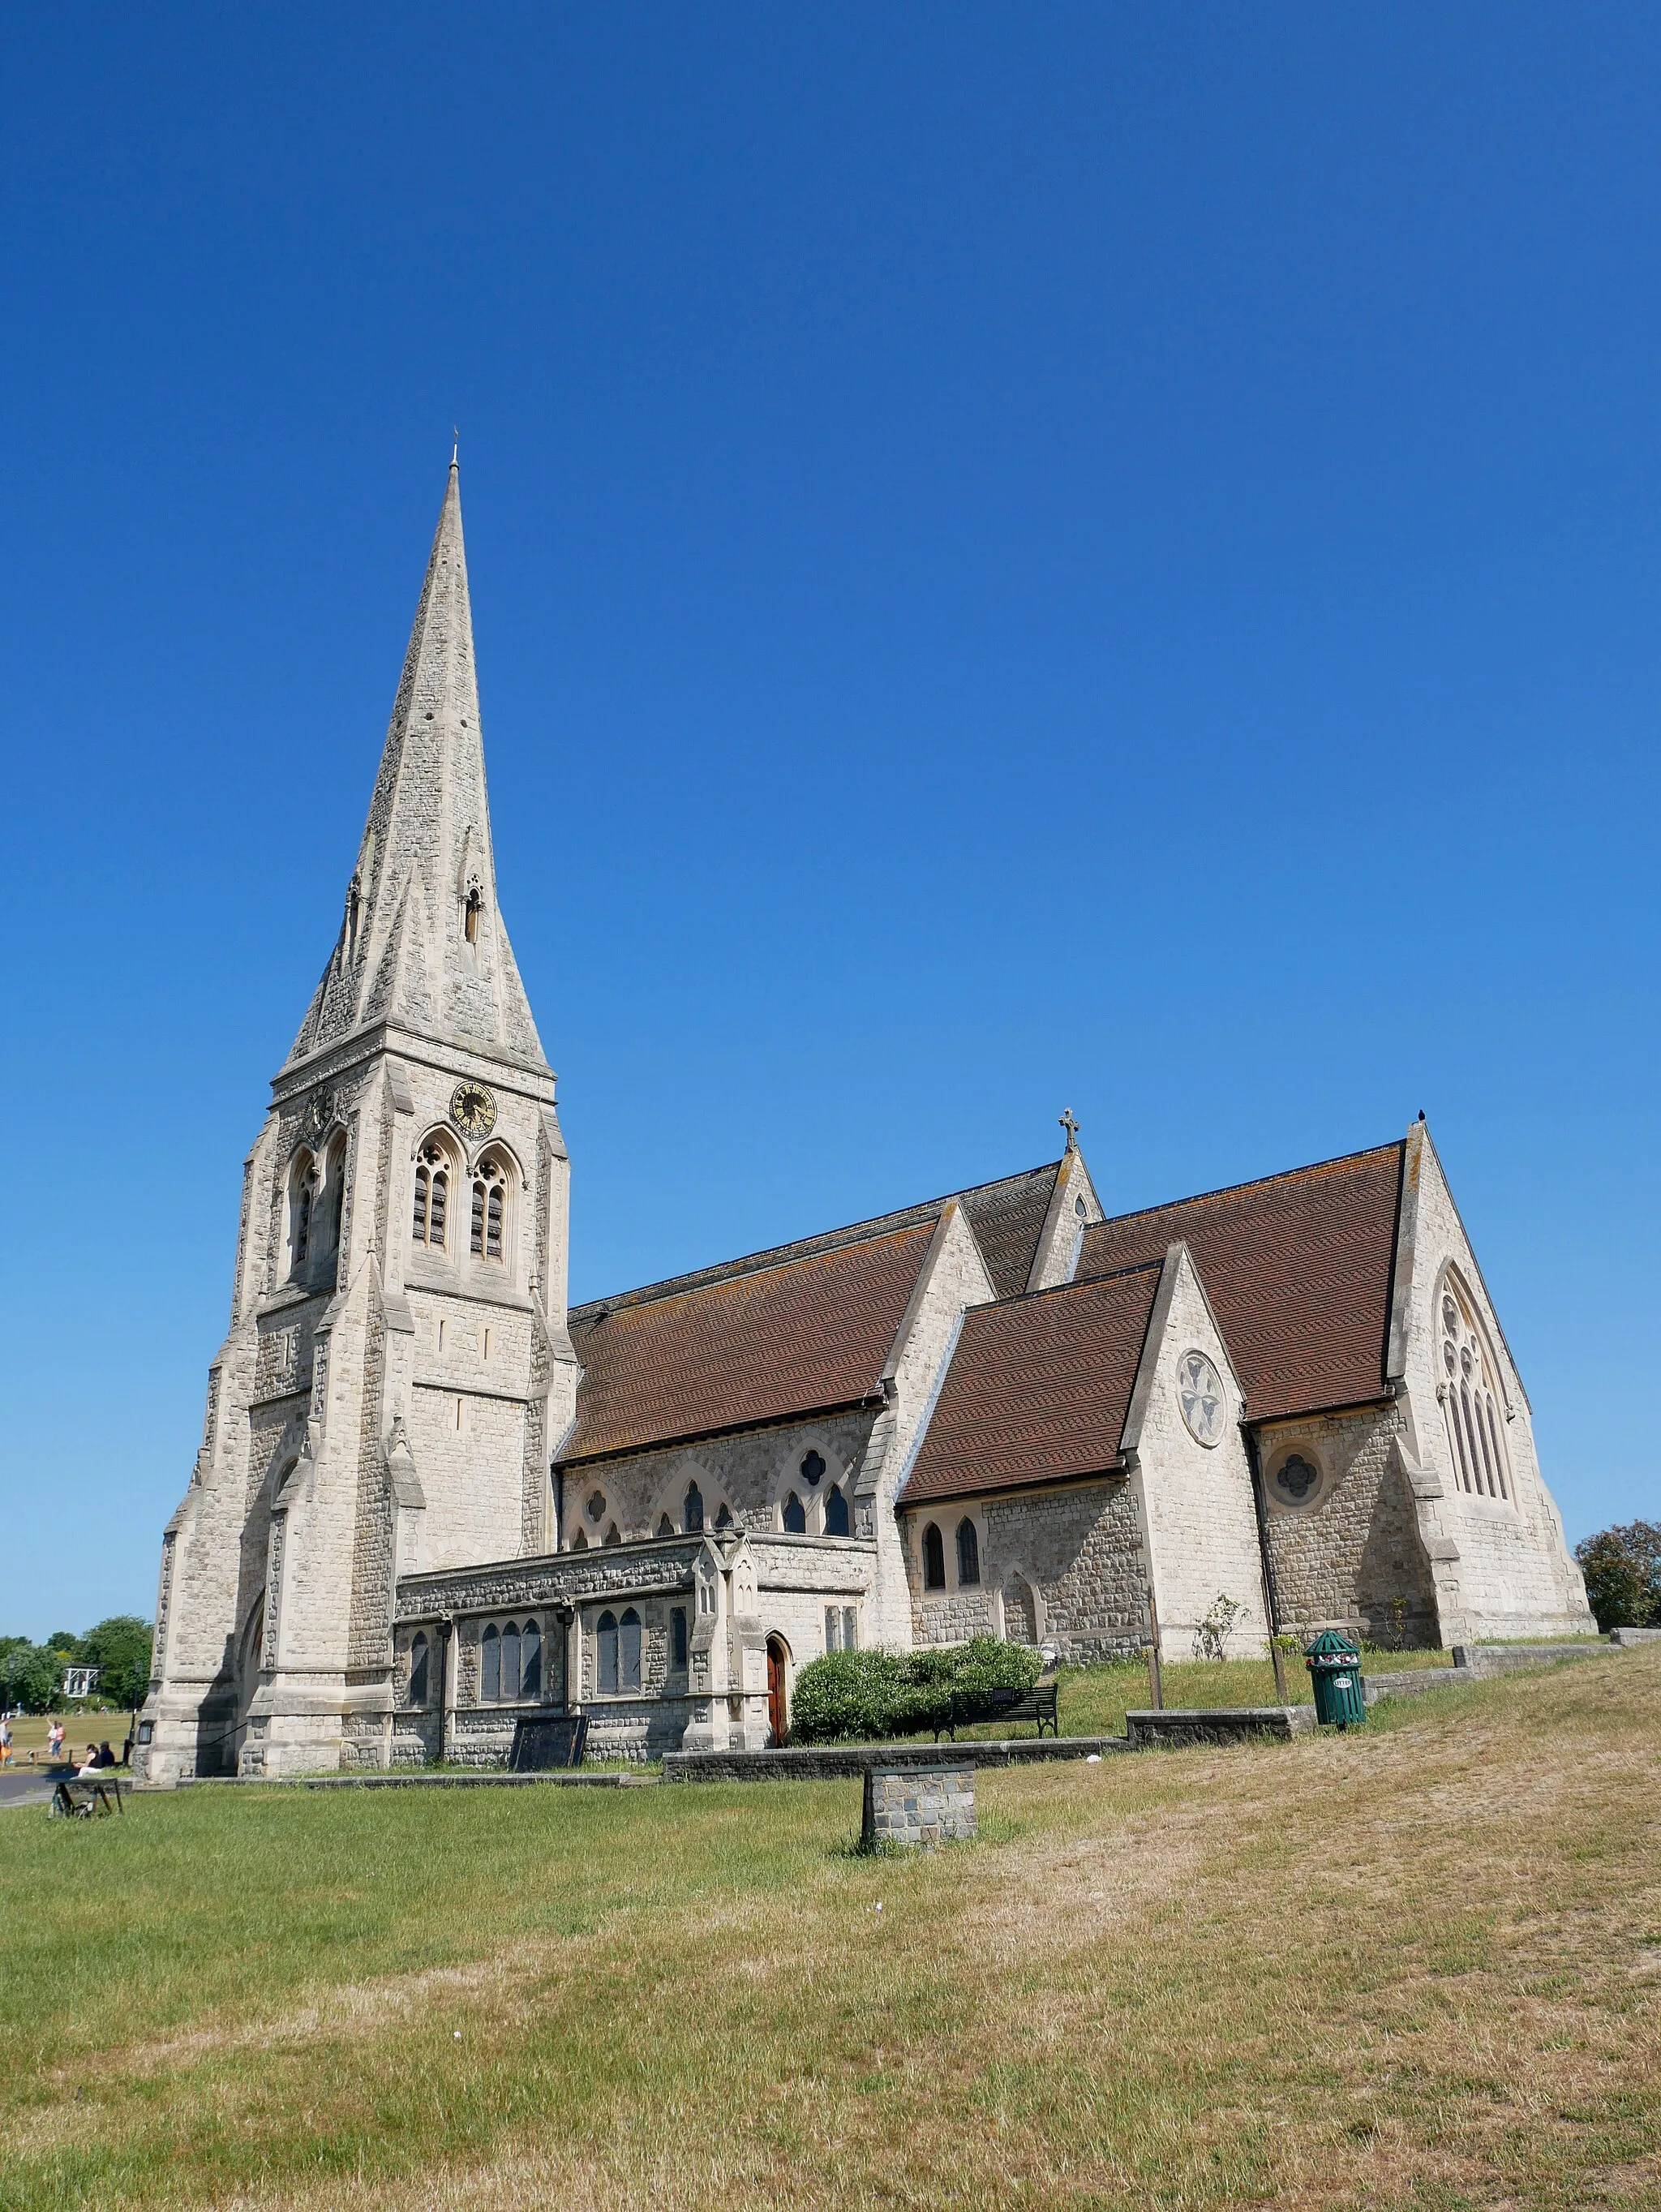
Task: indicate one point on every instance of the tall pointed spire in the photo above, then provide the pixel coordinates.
(422, 944)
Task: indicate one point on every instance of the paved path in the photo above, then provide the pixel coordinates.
(19, 1786)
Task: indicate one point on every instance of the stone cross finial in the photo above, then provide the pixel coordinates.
(1071, 1126)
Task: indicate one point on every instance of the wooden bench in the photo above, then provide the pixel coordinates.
(85, 1797)
(970, 1706)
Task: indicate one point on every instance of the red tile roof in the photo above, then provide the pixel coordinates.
(1298, 1271)
(742, 1348)
(1038, 1389)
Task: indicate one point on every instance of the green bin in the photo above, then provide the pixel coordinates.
(1335, 1671)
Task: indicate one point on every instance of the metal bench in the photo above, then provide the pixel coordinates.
(85, 1797)
(970, 1706)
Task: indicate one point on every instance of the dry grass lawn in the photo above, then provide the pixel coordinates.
(1416, 1965)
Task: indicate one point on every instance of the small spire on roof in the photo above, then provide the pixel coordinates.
(1071, 1126)
(455, 449)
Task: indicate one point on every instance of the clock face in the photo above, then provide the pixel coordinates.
(319, 1112)
(473, 1110)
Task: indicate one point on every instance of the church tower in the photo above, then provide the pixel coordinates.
(398, 1372)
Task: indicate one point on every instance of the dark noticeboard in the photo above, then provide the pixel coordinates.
(539, 1744)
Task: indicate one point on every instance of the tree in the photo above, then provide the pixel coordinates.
(31, 1679)
(120, 1648)
(1622, 1568)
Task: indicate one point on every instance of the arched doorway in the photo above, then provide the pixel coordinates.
(778, 1688)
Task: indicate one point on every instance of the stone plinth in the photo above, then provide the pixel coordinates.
(918, 1805)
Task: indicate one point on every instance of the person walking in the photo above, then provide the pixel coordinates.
(5, 1738)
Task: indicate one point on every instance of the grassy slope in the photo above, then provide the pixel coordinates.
(1419, 1964)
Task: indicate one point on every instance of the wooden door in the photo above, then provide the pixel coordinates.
(777, 1716)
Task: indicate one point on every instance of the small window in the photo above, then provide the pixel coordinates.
(796, 1516)
(470, 912)
(666, 1526)
(832, 1628)
(692, 1514)
(605, 1652)
(723, 1518)
(418, 1669)
(579, 1541)
(969, 1553)
(850, 1628)
(813, 1469)
(511, 1661)
(596, 1506)
(836, 1511)
(678, 1635)
(934, 1559)
(531, 1660)
(628, 1650)
(490, 1666)
(613, 1535)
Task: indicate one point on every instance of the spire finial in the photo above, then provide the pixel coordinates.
(455, 449)
(1071, 1126)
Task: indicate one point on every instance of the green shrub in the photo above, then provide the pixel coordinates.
(1622, 1568)
(865, 1695)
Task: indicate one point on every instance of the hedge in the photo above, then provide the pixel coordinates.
(868, 1696)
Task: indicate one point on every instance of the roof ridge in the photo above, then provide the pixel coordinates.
(1251, 1182)
(777, 1256)
(1078, 1283)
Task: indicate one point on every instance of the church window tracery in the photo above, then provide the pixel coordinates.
(432, 1197)
(1471, 1401)
(934, 1559)
(813, 1468)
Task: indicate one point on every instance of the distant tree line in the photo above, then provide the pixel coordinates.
(1622, 1568)
(32, 1674)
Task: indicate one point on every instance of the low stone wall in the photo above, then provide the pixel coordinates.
(919, 1807)
(850, 1762)
(1479, 1661)
(1625, 1636)
(1178, 1725)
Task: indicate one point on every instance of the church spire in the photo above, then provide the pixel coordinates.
(422, 944)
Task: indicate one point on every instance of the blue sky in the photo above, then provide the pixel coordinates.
(1021, 558)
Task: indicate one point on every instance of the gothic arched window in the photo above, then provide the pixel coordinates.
(334, 1198)
(510, 1660)
(489, 1208)
(628, 1650)
(796, 1516)
(934, 1559)
(490, 1666)
(692, 1516)
(836, 1512)
(1471, 1401)
(969, 1553)
(813, 1468)
(531, 1660)
(432, 1197)
(418, 1669)
(302, 1200)
(605, 1651)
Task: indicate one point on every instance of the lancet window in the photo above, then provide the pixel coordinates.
(836, 1512)
(1472, 1406)
(489, 1209)
(302, 1203)
(934, 1559)
(432, 1197)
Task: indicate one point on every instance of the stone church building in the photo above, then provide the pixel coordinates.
(431, 1498)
